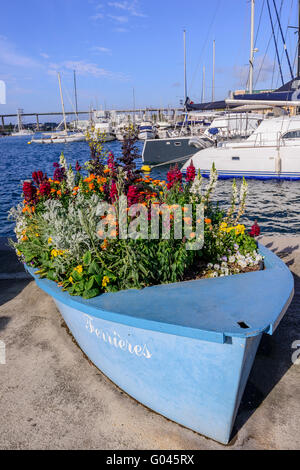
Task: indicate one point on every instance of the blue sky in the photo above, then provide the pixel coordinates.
(117, 45)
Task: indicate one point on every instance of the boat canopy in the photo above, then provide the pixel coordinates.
(286, 94)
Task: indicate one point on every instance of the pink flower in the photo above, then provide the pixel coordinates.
(113, 191)
(132, 195)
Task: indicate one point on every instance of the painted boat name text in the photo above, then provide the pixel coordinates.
(116, 340)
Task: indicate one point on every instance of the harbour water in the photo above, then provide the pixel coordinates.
(275, 204)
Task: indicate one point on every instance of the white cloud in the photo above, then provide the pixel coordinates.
(98, 16)
(10, 56)
(121, 30)
(131, 7)
(45, 56)
(119, 19)
(263, 69)
(101, 49)
(86, 68)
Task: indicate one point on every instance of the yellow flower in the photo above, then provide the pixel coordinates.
(223, 227)
(55, 252)
(240, 229)
(37, 235)
(49, 240)
(78, 268)
(105, 281)
(18, 252)
(71, 279)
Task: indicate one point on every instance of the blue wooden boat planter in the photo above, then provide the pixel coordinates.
(184, 350)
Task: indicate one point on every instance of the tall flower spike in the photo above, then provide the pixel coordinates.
(196, 188)
(213, 179)
(243, 197)
(190, 172)
(62, 161)
(70, 178)
(234, 198)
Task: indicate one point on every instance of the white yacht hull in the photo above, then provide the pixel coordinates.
(60, 139)
(145, 135)
(266, 162)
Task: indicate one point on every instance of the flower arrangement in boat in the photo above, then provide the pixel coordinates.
(107, 227)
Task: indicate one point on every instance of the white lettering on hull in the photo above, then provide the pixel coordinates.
(115, 340)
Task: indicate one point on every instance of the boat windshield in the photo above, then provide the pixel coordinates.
(292, 135)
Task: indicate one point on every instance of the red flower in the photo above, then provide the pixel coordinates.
(174, 176)
(190, 172)
(255, 230)
(29, 191)
(38, 177)
(45, 188)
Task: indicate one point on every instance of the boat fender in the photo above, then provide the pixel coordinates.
(278, 163)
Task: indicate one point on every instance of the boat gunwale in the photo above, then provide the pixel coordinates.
(273, 267)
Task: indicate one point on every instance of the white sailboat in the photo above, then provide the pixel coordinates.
(19, 130)
(61, 137)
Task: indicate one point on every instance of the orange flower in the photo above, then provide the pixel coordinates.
(91, 185)
(89, 178)
(107, 170)
(188, 220)
(207, 221)
(53, 190)
(104, 244)
(56, 182)
(59, 192)
(101, 188)
(113, 233)
(192, 235)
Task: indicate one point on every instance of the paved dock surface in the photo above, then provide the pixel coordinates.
(52, 397)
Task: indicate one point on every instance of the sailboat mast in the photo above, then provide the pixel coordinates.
(213, 74)
(133, 97)
(203, 85)
(185, 85)
(62, 101)
(251, 47)
(298, 62)
(75, 92)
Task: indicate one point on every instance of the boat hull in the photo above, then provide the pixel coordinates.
(240, 160)
(167, 150)
(192, 373)
(203, 395)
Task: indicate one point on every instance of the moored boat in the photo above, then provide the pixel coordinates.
(185, 350)
(271, 152)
